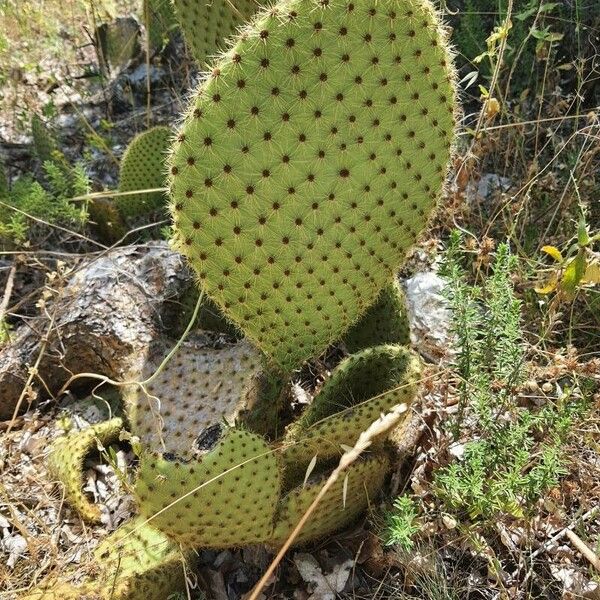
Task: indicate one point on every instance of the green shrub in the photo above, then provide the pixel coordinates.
(519, 452)
(51, 204)
(401, 523)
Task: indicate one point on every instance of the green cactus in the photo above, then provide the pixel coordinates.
(159, 17)
(67, 457)
(386, 322)
(362, 481)
(136, 562)
(207, 25)
(225, 497)
(199, 387)
(360, 389)
(309, 163)
(143, 168)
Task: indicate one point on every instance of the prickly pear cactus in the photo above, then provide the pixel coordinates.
(346, 499)
(136, 562)
(226, 496)
(202, 385)
(143, 168)
(386, 322)
(207, 25)
(67, 457)
(360, 389)
(310, 161)
(139, 563)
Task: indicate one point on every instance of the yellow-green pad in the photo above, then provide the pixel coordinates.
(364, 480)
(386, 322)
(206, 24)
(143, 168)
(136, 562)
(139, 563)
(360, 389)
(200, 386)
(225, 497)
(310, 161)
(67, 457)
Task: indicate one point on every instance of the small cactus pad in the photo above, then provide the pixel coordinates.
(139, 563)
(143, 168)
(309, 163)
(136, 562)
(386, 322)
(364, 480)
(225, 497)
(361, 388)
(200, 386)
(159, 18)
(67, 457)
(207, 24)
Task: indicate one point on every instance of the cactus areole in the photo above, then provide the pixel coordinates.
(309, 162)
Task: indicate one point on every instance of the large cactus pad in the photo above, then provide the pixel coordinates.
(143, 168)
(310, 161)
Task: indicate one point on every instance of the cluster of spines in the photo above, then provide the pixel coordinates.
(143, 168)
(362, 387)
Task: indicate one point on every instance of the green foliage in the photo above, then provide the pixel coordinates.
(401, 523)
(507, 469)
(312, 105)
(52, 203)
(4, 187)
(44, 140)
(360, 389)
(143, 168)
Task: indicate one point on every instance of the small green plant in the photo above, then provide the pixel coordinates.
(50, 203)
(507, 468)
(402, 523)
